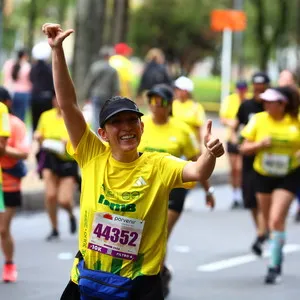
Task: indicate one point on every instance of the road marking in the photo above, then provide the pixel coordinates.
(65, 256)
(241, 260)
(182, 248)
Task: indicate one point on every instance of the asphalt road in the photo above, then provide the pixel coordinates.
(208, 252)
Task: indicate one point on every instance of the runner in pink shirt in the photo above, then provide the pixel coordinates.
(17, 81)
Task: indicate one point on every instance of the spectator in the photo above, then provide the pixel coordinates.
(42, 82)
(101, 83)
(17, 81)
(155, 71)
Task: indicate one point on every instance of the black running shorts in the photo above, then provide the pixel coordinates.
(248, 188)
(12, 199)
(176, 199)
(61, 168)
(267, 184)
(232, 148)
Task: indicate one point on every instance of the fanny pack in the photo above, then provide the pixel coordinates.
(102, 285)
(19, 170)
(55, 146)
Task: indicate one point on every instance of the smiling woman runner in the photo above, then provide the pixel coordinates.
(124, 197)
(274, 137)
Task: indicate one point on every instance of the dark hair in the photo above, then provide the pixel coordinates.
(292, 107)
(17, 66)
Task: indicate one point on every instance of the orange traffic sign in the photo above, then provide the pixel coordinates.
(228, 18)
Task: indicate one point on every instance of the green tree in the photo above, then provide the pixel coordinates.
(180, 28)
(23, 26)
(268, 36)
(118, 21)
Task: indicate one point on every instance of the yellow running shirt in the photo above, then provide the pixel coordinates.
(123, 208)
(4, 132)
(174, 137)
(190, 112)
(124, 68)
(51, 126)
(229, 108)
(279, 159)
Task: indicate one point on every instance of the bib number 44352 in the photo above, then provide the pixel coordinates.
(116, 235)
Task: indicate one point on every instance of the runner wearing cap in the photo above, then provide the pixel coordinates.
(186, 109)
(228, 110)
(174, 137)
(123, 206)
(13, 169)
(260, 82)
(273, 136)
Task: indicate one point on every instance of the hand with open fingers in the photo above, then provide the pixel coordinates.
(55, 34)
(212, 144)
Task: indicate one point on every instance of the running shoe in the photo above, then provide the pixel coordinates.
(257, 248)
(54, 235)
(273, 276)
(73, 224)
(297, 216)
(236, 205)
(9, 273)
(166, 277)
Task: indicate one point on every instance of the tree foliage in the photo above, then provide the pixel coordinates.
(180, 28)
(268, 28)
(23, 26)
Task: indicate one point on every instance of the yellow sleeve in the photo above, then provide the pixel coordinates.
(172, 172)
(4, 121)
(88, 148)
(250, 130)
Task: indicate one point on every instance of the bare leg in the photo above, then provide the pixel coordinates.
(51, 183)
(66, 190)
(7, 242)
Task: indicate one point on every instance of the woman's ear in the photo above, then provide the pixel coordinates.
(142, 127)
(103, 134)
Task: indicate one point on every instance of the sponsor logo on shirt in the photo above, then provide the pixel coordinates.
(115, 206)
(140, 182)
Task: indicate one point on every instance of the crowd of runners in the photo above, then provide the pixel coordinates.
(135, 167)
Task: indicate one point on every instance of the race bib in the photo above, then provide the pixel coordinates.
(276, 164)
(116, 235)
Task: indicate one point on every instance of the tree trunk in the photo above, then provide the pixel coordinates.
(265, 42)
(32, 16)
(63, 7)
(119, 21)
(90, 20)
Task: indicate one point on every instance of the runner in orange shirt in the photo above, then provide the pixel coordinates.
(13, 169)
